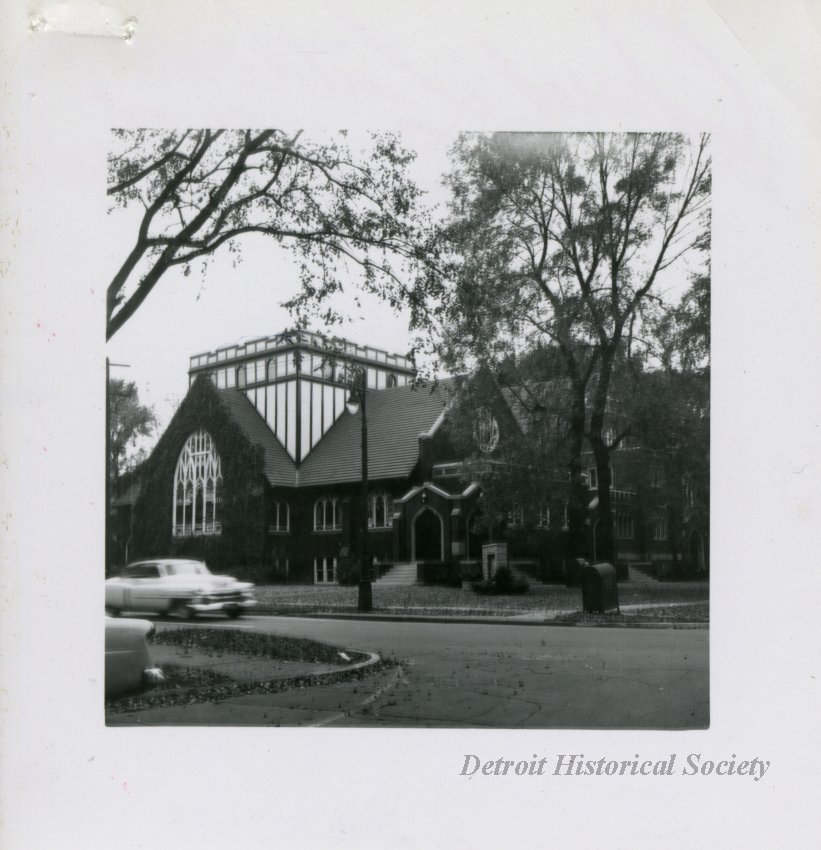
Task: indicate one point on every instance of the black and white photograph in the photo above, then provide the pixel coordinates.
(326, 532)
(409, 431)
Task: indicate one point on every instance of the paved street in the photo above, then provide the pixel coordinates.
(482, 675)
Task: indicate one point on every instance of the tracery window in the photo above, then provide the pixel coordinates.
(689, 491)
(280, 517)
(326, 514)
(380, 510)
(197, 488)
(516, 517)
(624, 526)
(486, 430)
(660, 527)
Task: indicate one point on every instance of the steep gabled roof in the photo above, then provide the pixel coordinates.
(533, 399)
(396, 418)
(278, 467)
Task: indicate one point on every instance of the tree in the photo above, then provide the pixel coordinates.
(201, 189)
(671, 417)
(561, 240)
(128, 422)
(523, 473)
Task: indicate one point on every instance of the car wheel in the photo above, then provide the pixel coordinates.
(112, 612)
(183, 611)
(233, 613)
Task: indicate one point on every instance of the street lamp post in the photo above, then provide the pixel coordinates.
(356, 403)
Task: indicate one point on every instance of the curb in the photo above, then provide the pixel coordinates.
(490, 621)
(184, 696)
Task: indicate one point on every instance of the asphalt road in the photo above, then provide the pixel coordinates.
(473, 675)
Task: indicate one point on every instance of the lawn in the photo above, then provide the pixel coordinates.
(541, 600)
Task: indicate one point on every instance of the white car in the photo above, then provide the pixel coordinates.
(176, 586)
(128, 665)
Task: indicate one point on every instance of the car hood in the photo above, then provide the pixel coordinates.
(220, 582)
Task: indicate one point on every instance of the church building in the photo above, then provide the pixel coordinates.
(259, 473)
(260, 470)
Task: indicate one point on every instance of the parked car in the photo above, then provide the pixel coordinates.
(176, 586)
(128, 665)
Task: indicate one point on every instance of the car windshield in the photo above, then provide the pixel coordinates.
(186, 568)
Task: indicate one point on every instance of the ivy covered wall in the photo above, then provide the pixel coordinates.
(240, 549)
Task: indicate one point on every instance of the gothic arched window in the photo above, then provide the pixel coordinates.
(197, 487)
(326, 514)
(380, 510)
(281, 516)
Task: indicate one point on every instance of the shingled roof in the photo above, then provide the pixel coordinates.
(396, 418)
(279, 469)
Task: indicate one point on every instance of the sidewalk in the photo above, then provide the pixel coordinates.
(550, 617)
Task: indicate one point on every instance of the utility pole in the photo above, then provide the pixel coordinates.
(356, 403)
(107, 467)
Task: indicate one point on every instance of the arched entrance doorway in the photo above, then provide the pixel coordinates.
(427, 536)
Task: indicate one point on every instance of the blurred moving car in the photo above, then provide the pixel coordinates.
(128, 666)
(176, 586)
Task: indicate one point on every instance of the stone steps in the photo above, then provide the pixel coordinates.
(398, 574)
(637, 576)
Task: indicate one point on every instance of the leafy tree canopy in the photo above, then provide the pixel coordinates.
(129, 421)
(560, 240)
(200, 189)
(562, 237)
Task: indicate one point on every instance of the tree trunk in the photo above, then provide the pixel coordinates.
(606, 542)
(576, 508)
(605, 538)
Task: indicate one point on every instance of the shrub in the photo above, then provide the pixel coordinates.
(435, 572)
(347, 570)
